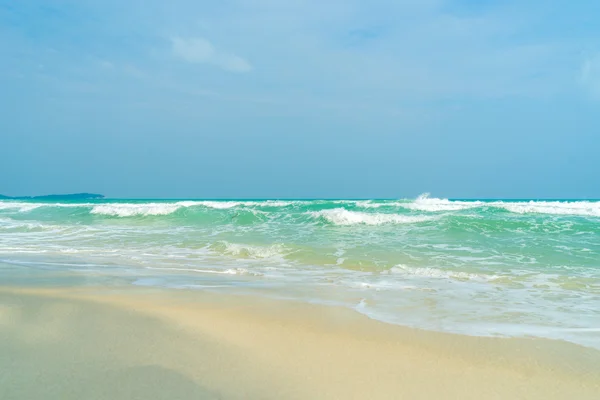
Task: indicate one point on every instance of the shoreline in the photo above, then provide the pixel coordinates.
(204, 345)
(509, 269)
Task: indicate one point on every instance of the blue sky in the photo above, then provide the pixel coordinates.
(300, 98)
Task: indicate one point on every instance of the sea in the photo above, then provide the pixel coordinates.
(509, 268)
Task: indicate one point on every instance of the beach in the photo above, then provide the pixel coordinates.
(140, 343)
(299, 299)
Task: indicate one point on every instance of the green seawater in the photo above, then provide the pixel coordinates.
(495, 267)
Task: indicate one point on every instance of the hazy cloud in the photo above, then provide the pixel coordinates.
(201, 51)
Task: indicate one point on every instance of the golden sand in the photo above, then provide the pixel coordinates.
(150, 344)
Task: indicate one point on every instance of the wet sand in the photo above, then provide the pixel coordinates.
(137, 343)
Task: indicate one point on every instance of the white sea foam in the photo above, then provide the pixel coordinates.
(70, 251)
(583, 208)
(24, 206)
(231, 204)
(220, 205)
(370, 204)
(10, 224)
(423, 203)
(341, 216)
(136, 209)
(381, 285)
(426, 203)
(431, 204)
(437, 273)
(145, 209)
(229, 271)
(130, 210)
(241, 271)
(278, 203)
(249, 251)
(20, 206)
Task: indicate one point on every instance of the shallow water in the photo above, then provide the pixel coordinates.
(509, 268)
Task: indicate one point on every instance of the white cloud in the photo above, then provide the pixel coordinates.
(201, 51)
(590, 74)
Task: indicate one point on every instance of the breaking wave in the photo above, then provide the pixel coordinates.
(130, 210)
(341, 216)
(425, 203)
(581, 208)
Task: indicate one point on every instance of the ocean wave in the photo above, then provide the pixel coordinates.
(155, 209)
(144, 208)
(426, 203)
(432, 204)
(17, 205)
(21, 206)
(581, 208)
(341, 216)
(279, 203)
(371, 204)
(131, 210)
(227, 204)
(148, 209)
(219, 205)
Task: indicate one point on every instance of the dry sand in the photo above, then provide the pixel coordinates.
(150, 344)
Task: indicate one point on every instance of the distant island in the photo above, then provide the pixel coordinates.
(75, 196)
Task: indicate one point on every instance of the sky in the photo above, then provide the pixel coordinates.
(300, 98)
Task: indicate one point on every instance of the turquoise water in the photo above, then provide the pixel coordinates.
(502, 268)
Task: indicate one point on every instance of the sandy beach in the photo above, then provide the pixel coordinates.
(101, 343)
